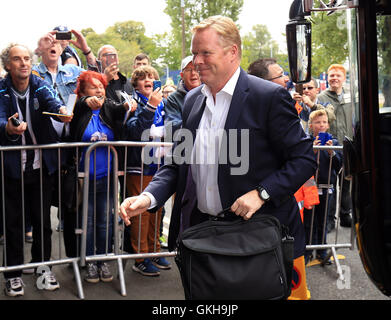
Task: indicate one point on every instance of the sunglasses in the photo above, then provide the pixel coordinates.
(308, 88)
(280, 76)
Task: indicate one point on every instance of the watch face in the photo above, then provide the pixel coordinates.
(265, 195)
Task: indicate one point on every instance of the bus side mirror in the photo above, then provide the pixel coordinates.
(298, 35)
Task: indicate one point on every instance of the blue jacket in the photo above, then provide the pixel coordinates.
(141, 120)
(66, 79)
(42, 98)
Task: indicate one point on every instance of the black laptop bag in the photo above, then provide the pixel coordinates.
(240, 259)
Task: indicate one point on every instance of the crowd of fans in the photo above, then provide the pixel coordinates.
(111, 107)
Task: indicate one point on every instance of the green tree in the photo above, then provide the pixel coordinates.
(329, 40)
(133, 31)
(195, 12)
(126, 49)
(129, 39)
(259, 44)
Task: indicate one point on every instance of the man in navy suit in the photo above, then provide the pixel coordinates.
(234, 111)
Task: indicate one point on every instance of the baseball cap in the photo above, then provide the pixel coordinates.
(61, 28)
(186, 61)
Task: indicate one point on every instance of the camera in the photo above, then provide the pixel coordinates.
(63, 35)
(324, 137)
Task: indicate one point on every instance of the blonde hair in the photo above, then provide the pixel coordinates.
(318, 113)
(226, 28)
(338, 67)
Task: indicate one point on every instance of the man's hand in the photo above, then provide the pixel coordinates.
(63, 110)
(80, 41)
(133, 206)
(247, 205)
(303, 98)
(45, 42)
(296, 96)
(11, 129)
(307, 100)
(82, 44)
(111, 71)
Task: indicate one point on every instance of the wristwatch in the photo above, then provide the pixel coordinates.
(263, 194)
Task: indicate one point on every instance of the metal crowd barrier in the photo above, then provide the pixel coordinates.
(60, 259)
(338, 192)
(117, 253)
(81, 229)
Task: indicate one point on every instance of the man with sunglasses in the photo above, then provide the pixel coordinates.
(109, 65)
(309, 101)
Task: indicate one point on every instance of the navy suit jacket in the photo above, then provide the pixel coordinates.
(281, 158)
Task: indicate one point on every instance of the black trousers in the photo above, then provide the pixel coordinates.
(14, 246)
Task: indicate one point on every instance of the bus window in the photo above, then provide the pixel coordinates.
(384, 62)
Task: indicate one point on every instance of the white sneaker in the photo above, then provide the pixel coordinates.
(14, 287)
(47, 281)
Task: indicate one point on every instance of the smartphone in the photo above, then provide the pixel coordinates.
(111, 58)
(15, 122)
(63, 35)
(157, 84)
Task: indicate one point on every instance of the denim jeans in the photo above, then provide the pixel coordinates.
(100, 217)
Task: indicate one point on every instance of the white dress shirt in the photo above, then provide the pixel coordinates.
(206, 148)
(205, 155)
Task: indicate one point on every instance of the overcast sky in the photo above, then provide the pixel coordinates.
(24, 21)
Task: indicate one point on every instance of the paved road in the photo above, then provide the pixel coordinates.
(322, 281)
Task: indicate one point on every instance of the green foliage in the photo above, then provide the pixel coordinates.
(259, 44)
(384, 58)
(329, 40)
(128, 38)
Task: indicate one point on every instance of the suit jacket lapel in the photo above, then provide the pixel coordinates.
(238, 100)
(196, 113)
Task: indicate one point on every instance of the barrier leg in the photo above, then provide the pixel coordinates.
(121, 277)
(337, 264)
(78, 280)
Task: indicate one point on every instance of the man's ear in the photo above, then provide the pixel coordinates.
(234, 50)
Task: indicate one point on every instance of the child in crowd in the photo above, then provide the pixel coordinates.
(319, 124)
(144, 234)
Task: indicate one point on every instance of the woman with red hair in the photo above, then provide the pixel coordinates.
(97, 119)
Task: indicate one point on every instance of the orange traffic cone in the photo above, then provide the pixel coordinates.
(299, 282)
